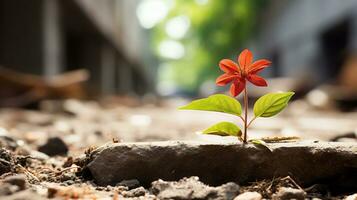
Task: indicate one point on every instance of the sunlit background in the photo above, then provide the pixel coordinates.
(171, 47)
(161, 51)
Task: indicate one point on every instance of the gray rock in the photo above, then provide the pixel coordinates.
(38, 155)
(137, 192)
(218, 163)
(192, 188)
(18, 180)
(67, 176)
(131, 184)
(228, 190)
(249, 196)
(287, 193)
(54, 146)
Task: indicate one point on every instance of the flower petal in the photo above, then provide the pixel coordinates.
(224, 79)
(258, 65)
(227, 66)
(237, 87)
(256, 80)
(245, 59)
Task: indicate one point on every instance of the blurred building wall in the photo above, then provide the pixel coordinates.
(47, 37)
(308, 39)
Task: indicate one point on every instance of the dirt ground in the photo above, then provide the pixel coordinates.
(45, 149)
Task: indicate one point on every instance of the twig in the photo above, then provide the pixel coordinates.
(292, 180)
(241, 118)
(66, 169)
(27, 172)
(279, 139)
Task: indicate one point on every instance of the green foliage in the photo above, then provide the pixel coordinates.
(224, 129)
(217, 29)
(216, 103)
(271, 104)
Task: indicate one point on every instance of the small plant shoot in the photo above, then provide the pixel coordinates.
(238, 75)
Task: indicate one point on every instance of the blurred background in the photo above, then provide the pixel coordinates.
(140, 59)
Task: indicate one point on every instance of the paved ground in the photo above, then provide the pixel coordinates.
(80, 126)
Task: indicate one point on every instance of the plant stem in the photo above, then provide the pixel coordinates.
(245, 115)
(251, 121)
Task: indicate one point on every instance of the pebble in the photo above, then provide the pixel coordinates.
(137, 192)
(18, 180)
(131, 184)
(54, 146)
(249, 196)
(287, 193)
(193, 188)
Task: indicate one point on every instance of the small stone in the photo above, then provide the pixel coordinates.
(69, 182)
(249, 196)
(54, 146)
(100, 188)
(228, 190)
(351, 197)
(192, 188)
(121, 188)
(67, 176)
(39, 155)
(18, 180)
(131, 184)
(286, 193)
(137, 192)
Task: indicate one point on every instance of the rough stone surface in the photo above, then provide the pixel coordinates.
(218, 163)
(137, 192)
(54, 146)
(192, 188)
(286, 193)
(249, 196)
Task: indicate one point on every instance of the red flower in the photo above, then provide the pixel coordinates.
(246, 69)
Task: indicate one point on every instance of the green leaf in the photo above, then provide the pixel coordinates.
(271, 104)
(216, 103)
(224, 129)
(260, 143)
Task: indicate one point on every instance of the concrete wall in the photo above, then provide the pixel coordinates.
(47, 37)
(302, 36)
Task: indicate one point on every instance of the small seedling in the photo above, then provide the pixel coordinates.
(238, 74)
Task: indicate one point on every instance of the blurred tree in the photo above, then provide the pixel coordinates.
(217, 29)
